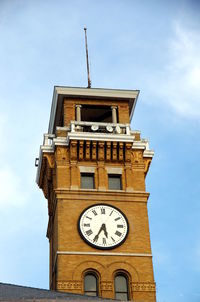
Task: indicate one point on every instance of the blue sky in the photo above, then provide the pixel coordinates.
(153, 46)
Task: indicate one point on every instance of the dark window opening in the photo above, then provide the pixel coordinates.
(102, 114)
(62, 120)
(87, 181)
(91, 285)
(59, 119)
(121, 287)
(114, 182)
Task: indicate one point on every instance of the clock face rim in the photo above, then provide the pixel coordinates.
(92, 244)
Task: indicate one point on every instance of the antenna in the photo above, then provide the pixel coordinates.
(88, 69)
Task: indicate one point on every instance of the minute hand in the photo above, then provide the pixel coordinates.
(104, 229)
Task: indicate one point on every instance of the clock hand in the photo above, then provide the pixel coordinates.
(97, 236)
(104, 229)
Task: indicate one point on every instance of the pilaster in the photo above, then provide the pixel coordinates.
(102, 176)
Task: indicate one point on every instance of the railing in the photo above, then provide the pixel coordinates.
(93, 127)
(100, 127)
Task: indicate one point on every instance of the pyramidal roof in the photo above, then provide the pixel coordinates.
(11, 292)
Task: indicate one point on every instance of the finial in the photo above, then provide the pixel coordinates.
(88, 69)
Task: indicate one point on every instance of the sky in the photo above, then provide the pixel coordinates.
(153, 46)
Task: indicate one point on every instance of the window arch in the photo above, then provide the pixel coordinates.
(121, 287)
(91, 284)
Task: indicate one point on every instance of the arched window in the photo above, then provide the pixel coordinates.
(91, 284)
(121, 287)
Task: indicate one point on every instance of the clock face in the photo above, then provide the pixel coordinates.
(103, 226)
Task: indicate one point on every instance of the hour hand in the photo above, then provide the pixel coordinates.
(97, 236)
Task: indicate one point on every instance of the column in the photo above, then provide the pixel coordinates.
(78, 113)
(114, 114)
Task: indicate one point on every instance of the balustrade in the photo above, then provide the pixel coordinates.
(115, 128)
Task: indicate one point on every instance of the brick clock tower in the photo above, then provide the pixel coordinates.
(92, 170)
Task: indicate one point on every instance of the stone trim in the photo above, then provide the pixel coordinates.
(100, 137)
(138, 145)
(143, 287)
(148, 153)
(103, 254)
(69, 285)
(106, 286)
(84, 169)
(114, 170)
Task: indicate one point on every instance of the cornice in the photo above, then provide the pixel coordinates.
(60, 141)
(148, 153)
(143, 145)
(88, 136)
(100, 137)
(138, 145)
(104, 196)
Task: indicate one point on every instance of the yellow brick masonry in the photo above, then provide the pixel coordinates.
(70, 256)
(70, 104)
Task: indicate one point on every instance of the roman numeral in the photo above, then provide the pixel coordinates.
(111, 213)
(104, 240)
(94, 212)
(120, 226)
(88, 217)
(118, 233)
(103, 211)
(117, 218)
(86, 224)
(89, 232)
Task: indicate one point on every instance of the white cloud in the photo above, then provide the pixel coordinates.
(179, 83)
(11, 193)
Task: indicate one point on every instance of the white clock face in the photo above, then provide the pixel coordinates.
(103, 226)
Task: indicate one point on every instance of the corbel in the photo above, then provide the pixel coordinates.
(108, 151)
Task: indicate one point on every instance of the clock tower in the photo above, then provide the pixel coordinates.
(92, 170)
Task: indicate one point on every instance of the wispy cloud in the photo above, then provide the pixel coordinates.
(179, 83)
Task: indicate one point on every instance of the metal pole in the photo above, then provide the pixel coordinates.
(88, 69)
